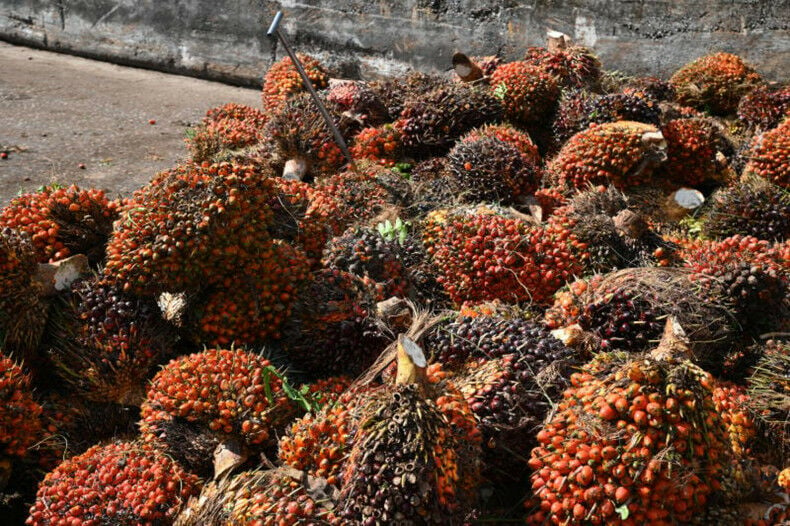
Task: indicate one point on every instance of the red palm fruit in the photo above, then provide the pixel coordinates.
(185, 228)
(622, 154)
(769, 156)
(607, 445)
(360, 101)
(382, 145)
(124, 483)
(282, 80)
(229, 127)
(733, 403)
(506, 133)
(574, 66)
(528, 93)
(714, 83)
(691, 152)
(214, 397)
(62, 221)
(20, 424)
(764, 107)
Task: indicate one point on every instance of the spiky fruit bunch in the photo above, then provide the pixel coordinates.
(62, 221)
(764, 107)
(608, 250)
(622, 154)
(330, 330)
(382, 145)
(572, 115)
(107, 343)
(229, 127)
(653, 87)
(750, 273)
(188, 226)
(222, 395)
(365, 253)
(482, 256)
(299, 132)
(20, 424)
(529, 93)
(769, 393)
(574, 66)
(489, 169)
(431, 122)
(714, 82)
(283, 80)
(359, 100)
(691, 152)
(506, 133)
(251, 304)
(732, 402)
(394, 92)
(550, 199)
(769, 156)
(121, 483)
(753, 208)
(641, 435)
(17, 265)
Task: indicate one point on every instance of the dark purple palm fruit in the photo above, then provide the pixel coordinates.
(433, 187)
(394, 92)
(359, 101)
(764, 107)
(753, 207)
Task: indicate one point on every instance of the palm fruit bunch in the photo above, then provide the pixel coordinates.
(331, 329)
(186, 227)
(714, 83)
(22, 311)
(528, 93)
(574, 66)
(769, 156)
(364, 252)
(20, 423)
(251, 304)
(122, 483)
(283, 81)
(549, 199)
(433, 187)
(635, 440)
(490, 169)
(764, 107)
(360, 101)
(691, 152)
(652, 87)
(622, 154)
(62, 221)
(431, 122)
(382, 145)
(750, 274)
(508, 134)
(753, 207)
(415, 455)
(769, 398)
(572, 115)
(394, 92)
(213, 397)
(299, 135)
(733, 403)
(106, 343)
(229, 127)
(482, 255)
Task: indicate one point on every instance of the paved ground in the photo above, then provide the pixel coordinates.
(58, 111)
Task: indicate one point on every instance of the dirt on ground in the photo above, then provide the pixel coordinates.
(59, 113)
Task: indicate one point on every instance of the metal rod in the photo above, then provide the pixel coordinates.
(274, 31)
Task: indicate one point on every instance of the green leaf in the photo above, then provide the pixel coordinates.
(623, 511)
(500, 91)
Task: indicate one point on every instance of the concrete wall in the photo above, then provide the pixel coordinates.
(225, 39)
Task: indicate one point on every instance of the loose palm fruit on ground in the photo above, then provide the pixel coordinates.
(187, 226)
(431, 122)
(489, 169)
(229, 127)
(714, 83)
(105, 343)
(482, 256)
(331, 329)
(622, 154)
(528, 93)
(62, 221)
(633, 441)
(752, 207)
(124, 483)
(252, 303)
(764, 107)
(574, 66)
(769, 156)
(365, 253)
(217, 396)
(282, 80)
(382, 145)
(691, 152)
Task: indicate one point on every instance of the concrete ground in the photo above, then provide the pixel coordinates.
(58, 112)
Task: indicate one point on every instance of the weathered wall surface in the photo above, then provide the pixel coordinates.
(225, 39)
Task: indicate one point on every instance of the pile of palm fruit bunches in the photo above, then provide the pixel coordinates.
(541, 293)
